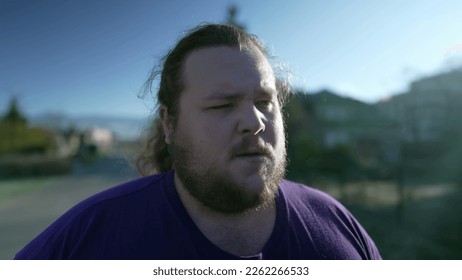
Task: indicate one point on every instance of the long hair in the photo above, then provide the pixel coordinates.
(155, 156)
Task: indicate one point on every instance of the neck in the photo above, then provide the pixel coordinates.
(242, 234)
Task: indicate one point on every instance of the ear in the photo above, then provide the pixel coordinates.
(167, 123)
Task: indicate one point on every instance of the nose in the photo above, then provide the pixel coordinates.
(251, 121)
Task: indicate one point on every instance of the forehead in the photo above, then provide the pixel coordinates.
(224, 68)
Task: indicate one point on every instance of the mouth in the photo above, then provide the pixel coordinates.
(252, 155)
(256, 154)
(252, 150)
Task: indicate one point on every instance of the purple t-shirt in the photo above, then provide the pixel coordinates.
(145, 219)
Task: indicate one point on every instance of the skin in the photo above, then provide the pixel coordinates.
(229, 146)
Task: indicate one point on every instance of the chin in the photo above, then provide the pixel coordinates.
(253, 181)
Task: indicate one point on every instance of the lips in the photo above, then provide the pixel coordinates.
(251, 148)
(251, 154)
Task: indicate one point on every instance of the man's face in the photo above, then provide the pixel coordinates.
(228, 141)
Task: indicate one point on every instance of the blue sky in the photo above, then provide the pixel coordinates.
(91, 57)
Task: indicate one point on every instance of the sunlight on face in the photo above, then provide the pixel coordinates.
(229, 139)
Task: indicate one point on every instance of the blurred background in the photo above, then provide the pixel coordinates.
(374, 119)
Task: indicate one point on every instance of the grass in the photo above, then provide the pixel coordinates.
(378, 194)
(11, 188)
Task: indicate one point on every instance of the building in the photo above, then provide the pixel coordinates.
(428, 112)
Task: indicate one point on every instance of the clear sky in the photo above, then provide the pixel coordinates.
(91, 57)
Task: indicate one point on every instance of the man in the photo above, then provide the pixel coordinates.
(221, 152)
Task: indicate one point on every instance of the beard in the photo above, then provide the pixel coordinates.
(220, 191)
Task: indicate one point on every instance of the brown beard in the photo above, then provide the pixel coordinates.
(215, 190)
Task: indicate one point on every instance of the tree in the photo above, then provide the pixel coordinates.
(232, 15)
(13, 115)
(17, 138)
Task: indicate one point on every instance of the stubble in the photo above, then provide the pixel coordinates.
(217, 190)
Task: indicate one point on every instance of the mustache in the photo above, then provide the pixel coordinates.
(251, 145)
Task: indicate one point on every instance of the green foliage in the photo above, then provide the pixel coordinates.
(17, 138)
(13, 114)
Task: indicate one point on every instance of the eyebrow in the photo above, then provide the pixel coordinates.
(218, 95)
(225, 96)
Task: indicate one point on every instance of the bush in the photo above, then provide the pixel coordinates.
(24, 166)
(20, 139)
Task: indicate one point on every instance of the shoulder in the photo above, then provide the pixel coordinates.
(124, 192)
(91, 219)
(337, 232)
(127, 196)
(314, 202)
(303, 195)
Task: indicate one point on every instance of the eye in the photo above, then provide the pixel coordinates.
(265, 104)
(221, 106)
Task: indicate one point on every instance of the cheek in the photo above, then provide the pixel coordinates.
(278, 124)
(205, 136)
(218, 127)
